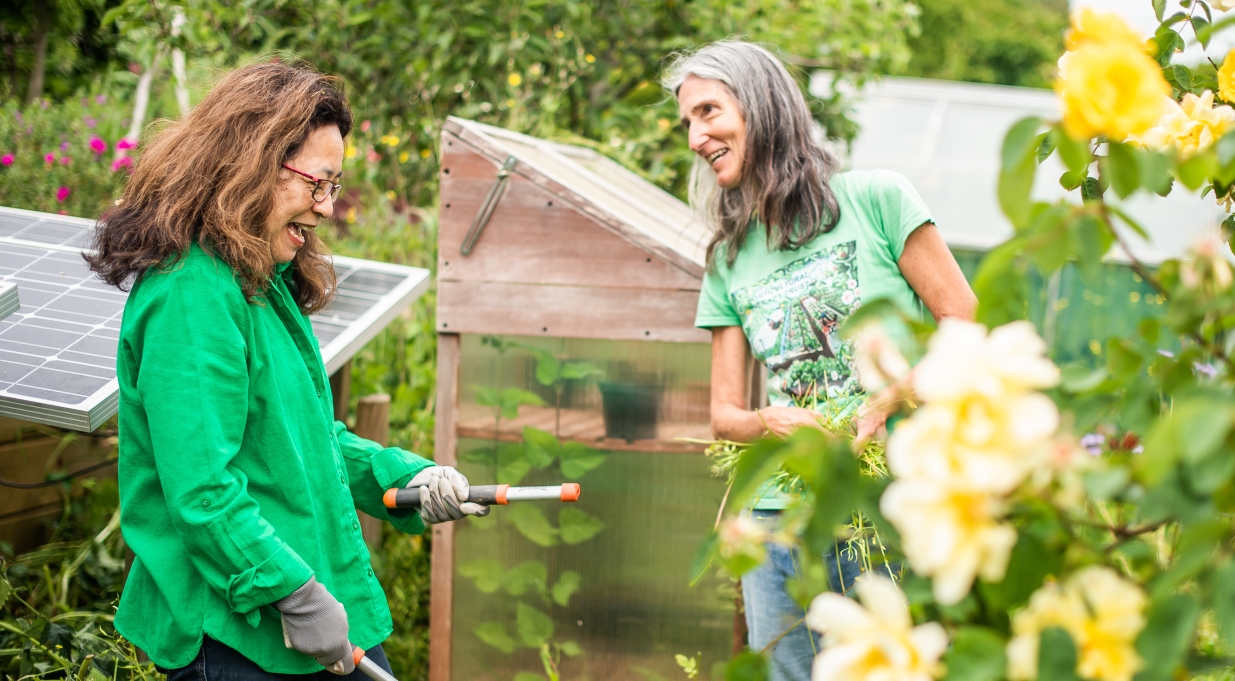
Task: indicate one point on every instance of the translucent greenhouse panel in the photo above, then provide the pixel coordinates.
(600, 589)
(1076, 315)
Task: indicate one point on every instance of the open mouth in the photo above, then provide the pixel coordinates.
(716, 155)
(295, 232)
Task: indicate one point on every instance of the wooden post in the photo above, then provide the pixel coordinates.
(341, 390)
(441, 599)
(372, 423)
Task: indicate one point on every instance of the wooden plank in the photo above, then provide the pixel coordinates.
(454, 134)
(441, 595)
(341, 391)
(535, 237)
(568, 312)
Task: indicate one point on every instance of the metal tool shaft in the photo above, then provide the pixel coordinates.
(489, 495)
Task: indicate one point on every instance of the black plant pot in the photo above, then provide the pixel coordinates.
(630, 410)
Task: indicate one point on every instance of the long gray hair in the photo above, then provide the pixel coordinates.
(785, 170)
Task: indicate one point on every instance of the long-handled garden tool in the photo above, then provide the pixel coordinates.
(489, 495)
(500, 495)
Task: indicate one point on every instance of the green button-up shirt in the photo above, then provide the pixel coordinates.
(236, 483)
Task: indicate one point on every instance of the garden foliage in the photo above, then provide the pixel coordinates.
(1046, 522)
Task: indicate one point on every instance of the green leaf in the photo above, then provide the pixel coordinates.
(528, 676)
(1103, 485)
(1078, 378)
(1224, 601)
(513, 398)
(1155, 171)
(1072, 179)
(1094, 240)
(1091, 189)
(578, 370)
(576, 526)
(512, 463)
(534, 626)
(977, 654)
(494, 633)
(1159, 8)
(1075, 154)
(571, 649)
(548, 368)
(1166, 636)
(1199, 25)
(747, 666)
(1123, 168)
(485, 572)
(1018, 167)
(1192, 431)
(1046, 148)
(567, 584)
(1182, 77)
(541, 448)
(530, 521)
(1197, 170)
(577, 459)
(529, 574)
(1056, 656)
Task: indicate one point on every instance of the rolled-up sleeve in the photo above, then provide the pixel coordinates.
(372, 469)
(193, 382)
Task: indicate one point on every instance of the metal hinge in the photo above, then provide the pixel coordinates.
(487, 208)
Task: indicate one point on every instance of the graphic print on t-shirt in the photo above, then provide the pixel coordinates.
(792, 320)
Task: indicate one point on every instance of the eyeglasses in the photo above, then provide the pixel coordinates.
(321, 188)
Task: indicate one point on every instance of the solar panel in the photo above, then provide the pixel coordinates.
(58, 348)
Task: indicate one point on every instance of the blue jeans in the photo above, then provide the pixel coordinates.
(218, 662)
(770, 611)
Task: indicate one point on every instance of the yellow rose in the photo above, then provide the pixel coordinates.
(1100, 610)
(1190, 126)
(514, 79)
(1226, 78)
(949, 533)
(1091, 27)
(1112, 89)
(874, 640)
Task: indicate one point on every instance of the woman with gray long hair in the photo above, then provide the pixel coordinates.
(797, 248)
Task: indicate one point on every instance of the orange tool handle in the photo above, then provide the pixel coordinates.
(369, 667)
(489, 495)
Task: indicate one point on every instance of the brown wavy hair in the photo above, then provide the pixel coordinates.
(211, 176)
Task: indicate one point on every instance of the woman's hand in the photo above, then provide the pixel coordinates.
(443, 495)
(782, 421)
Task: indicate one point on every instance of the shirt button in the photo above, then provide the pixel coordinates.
(319, 393)
(369, 572)
(342, 479)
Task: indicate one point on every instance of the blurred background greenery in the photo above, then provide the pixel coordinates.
(74, 74)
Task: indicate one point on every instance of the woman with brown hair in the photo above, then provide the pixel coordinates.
(238, 490)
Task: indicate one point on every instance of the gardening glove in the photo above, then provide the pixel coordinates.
(315, 624)
(443, 494)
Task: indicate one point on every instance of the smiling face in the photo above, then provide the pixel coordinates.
(716, 127)
(294, 208)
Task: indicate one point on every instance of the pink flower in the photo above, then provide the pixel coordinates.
(64, 146)
(373, 156)
(6, 160)
(50, 158)
(364, 126)
(126, 143)
(63, 193)
(65, 160)
(97, 145)
(122, 162)
(100, 99)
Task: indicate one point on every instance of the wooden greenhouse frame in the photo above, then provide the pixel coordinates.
(538, 238)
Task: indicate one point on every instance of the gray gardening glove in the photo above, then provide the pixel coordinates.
(315, 624)
(442, 493)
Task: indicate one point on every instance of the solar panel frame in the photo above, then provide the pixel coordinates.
(40, 263)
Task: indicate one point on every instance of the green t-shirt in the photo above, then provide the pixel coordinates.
(792, 303)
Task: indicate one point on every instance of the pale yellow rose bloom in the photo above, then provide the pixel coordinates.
(1190, 126)
(1112, 89)
(949, 533)
(1089, 26)
(1205, 269)
(877, 358)
(742, 536)
(1100, 610)
(962, 360)
(1222, 5)
(875, 640)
